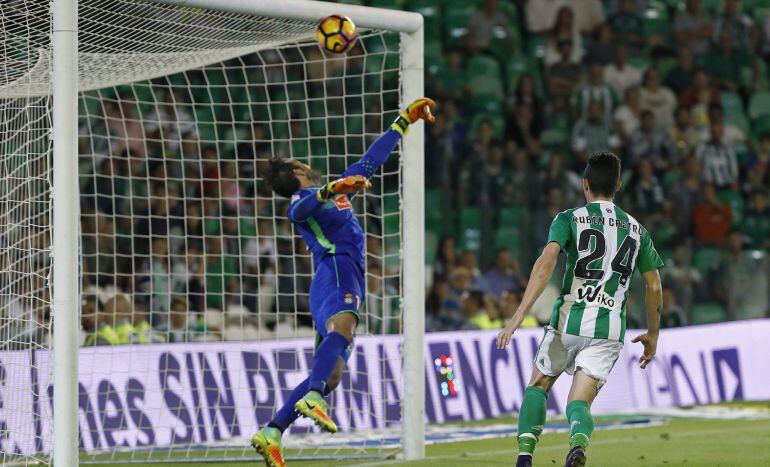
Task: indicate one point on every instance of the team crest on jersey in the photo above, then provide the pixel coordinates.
(342, 202)
(348, 299)
(594, 294)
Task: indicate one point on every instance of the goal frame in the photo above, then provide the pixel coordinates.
(65, 194)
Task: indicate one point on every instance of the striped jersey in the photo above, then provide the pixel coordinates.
(604, 246)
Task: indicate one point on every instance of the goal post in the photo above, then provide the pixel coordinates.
(147, 64)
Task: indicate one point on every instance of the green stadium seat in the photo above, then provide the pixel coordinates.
(664, 65)
(705, 258)
(739, 120)
(760, 13)
(731, 102)
(456, 18)
(510, 238)
(470, 229)
(510, 217)
(433, 210)
(759, 104)
(708, 313)
(554, 138)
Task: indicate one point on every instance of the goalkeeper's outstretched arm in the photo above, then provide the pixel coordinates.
(377, 153)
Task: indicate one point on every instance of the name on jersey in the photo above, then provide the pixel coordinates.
(594, 294)
(608, 221)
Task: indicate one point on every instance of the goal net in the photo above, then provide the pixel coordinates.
(194, 313)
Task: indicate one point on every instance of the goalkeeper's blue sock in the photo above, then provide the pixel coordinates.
(326, 355)
(287, 413)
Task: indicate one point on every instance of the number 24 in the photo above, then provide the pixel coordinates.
(621, 263)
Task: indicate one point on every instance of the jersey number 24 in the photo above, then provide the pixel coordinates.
(621, 263)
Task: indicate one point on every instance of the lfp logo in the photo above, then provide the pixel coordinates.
(447, 379)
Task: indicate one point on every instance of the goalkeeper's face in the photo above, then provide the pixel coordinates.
(306, 175)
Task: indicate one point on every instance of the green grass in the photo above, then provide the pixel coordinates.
(682, 442)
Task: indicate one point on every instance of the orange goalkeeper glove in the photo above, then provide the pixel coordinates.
(417, 110)
(343, 186)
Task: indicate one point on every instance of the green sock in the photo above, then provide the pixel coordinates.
(531, 419)
(581, 424)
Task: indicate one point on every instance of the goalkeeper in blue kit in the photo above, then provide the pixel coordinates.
(324, 217)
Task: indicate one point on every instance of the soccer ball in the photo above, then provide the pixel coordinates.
(336, 33)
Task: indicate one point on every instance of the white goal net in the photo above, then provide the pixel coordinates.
(195, 323)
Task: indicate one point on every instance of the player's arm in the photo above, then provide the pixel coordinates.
(538, 279)
(378, 152)
(649, 262)
(303, 205)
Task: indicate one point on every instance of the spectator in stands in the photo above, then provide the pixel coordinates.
(525, 94)
(679, 77)
(651, 142)
(693, 27)
(648, 193)
(503, 275)
(125, 126)
(686, 192)
(220, 270)
(509, 303)
(155, 279)
(683, 133)
(485, 23)
(171, 123)
(381, 303)
(496, 183)
(592, 134)
(698, 97)
(657, 98)
(725, 63)
(541, 14)
(738, 26)
(672, 315)
(562, 77)
(557, 176)
(628, 26)
(446, 256)
(524, 179)
(589, 14)
(764, 47)
(732, 134)
(735, 282)
(594, 90)
(756, 222)
(524, 128)
(96, 324)
(711, 218)
(620, 74)
(564, 29)
(434, 308)
(544, 216)
(718, 160)
(627, 116)
(470, 262)
(758, 166)
(479, 311)
(600, 50)
(460, 282)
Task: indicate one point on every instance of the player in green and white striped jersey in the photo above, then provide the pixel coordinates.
(604, 246)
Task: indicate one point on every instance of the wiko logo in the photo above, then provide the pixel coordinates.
(594, 294)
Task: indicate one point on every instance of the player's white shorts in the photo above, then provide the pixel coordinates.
(559, 352)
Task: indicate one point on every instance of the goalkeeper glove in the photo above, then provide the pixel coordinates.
(343, 186)
(419, 109)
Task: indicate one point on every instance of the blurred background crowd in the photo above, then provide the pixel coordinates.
(182, 242)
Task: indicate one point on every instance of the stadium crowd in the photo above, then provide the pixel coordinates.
(180, 244)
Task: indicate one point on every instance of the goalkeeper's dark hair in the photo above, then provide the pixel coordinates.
(280, 176)
(603, 173)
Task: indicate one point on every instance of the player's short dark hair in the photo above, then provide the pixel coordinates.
(280, 176)
(603, 173)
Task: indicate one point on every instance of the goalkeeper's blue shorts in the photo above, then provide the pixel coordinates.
(338, 287)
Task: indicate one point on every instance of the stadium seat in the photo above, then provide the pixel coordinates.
(760, 126)
(760, 13)
(665, 64)
(759, 104)
(705, 258)
(708, 313)
(731, 102)
(485, 75)
(470, 229)
(456, 18)
(509, 238)
(433, 210)
(510, 217)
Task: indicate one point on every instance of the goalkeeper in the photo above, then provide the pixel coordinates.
(324, 217)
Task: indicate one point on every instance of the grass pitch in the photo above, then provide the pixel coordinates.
(678, 442)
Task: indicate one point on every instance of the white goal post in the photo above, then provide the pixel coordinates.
(66, 296)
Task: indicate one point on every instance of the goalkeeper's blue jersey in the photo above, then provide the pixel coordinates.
(331, 227)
